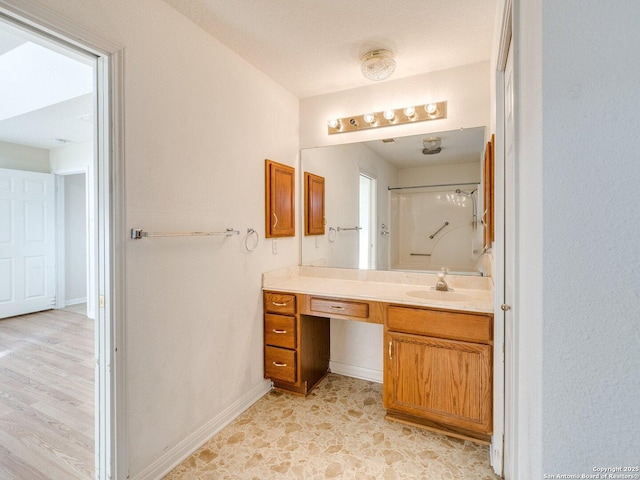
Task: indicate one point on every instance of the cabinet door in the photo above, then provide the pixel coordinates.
(313, 204)
(489, 215)
(444, 381)
(280, 200)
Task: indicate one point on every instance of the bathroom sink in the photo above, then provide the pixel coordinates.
(439, 296)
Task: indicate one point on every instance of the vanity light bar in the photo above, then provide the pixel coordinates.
(388, 118)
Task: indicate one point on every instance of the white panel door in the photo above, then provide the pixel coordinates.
(27, 242)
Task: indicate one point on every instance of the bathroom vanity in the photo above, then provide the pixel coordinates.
(437, 345)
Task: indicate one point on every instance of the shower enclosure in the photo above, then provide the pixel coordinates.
(433, 228)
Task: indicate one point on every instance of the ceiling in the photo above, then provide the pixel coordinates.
(314, 47)
(309, 47)
(458, 146)
(46, 92)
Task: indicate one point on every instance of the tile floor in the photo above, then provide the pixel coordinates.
(338, 431)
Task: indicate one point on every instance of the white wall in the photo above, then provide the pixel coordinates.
(341, 165)
(466, 90)
(71, 156)
(75, 235)
(199, 122)
(591, 206)
(21, 157)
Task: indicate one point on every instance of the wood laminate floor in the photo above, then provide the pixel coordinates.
(47, 396)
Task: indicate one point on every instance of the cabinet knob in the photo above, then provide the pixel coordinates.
(505, 307)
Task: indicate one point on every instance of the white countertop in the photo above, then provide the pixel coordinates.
(473, 294)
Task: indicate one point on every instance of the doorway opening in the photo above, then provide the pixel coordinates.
(92, 103)
(367, 222)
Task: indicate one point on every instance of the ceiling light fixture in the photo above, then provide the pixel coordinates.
(431, 145)
(387, 118)
(377, 64)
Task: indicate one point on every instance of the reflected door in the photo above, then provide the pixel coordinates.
(367, 222)
(27, 242)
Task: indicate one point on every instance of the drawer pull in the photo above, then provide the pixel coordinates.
(336, 307)
(277, 364)
(280, 304)
(278, 331)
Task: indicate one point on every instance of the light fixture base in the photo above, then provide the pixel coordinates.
(366, 121)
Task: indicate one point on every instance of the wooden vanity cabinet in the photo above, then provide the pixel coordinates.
(280, 209)
(438, 371)
(296, 346)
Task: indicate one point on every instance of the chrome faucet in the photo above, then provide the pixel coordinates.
(441, 284)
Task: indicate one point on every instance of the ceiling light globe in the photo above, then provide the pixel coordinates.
(377, 65)
(333, 123)
(369, 118)
(389, 114)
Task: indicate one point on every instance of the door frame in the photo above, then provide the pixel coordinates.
(108, 180)
(501, 446)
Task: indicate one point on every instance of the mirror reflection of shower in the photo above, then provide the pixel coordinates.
(433, 226)
(474, 221)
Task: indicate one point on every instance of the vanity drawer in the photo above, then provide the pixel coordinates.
(280, 303)
(434, 323)
(280, 330)
(340, 307)
(280, 364)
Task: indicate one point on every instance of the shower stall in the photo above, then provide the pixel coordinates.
(435, 226)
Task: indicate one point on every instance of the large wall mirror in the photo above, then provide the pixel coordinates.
(402, 203)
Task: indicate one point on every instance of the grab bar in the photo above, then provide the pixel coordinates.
(138, 233)
(342, 229)
(420, 254)
(438, 231)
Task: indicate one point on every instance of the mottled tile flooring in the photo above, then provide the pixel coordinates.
(338, 431)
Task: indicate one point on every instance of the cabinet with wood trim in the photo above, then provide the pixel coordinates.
(313, 204)
(296, 346)
(438, 371)
(280, 200)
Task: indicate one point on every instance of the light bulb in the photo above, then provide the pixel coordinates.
(369, 118)
(333, 123)
(389, 114)
(409, 111)
(431, 108)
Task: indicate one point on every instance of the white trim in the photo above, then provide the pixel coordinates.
(76, 301)
(498, 446)
(179, 452)
(356, 372)
(60, 242)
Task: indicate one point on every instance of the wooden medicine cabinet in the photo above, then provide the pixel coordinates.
(313, 204)
(280, 200)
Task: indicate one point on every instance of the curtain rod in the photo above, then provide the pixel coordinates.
(440, 185)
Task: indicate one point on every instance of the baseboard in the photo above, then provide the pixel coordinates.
(356, 372)
(176, 455)
(75, 301)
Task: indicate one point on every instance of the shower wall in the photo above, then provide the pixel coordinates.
(417, 214)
